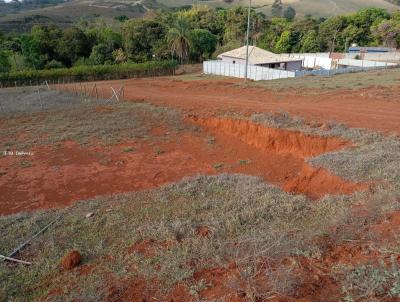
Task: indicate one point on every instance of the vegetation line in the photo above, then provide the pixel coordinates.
(88, 73)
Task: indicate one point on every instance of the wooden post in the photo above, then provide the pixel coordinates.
(40, 97)
(14, 260)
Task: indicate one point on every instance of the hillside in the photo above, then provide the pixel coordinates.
(66, 13)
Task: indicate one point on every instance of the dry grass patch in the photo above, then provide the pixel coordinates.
(83, 121)
(251, 223)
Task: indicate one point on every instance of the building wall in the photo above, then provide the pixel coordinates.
(293, 66)
(254, 72)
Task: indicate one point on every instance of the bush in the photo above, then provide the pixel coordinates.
(89, 73)
(53, 64)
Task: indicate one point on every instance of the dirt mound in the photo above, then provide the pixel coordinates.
(203, 231)
(71, 260)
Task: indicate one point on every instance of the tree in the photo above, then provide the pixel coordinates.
(235, 24)
(330, 33)
(119, 56)
(178, 38)
(101, 54)
(5, 65)
(143, 39)
(203, 43)
(30, 50)
(72, 46)
(289, 13)
(388, 33)
(47, 38)
(309, 42)
(352, 34)
(272, 33)
(364, 20)
(285, 42)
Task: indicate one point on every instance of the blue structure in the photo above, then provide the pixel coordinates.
(370, 49)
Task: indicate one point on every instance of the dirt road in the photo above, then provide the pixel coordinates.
(372, 108)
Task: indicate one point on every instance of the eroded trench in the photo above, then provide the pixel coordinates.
(72, 172)
(281, 156)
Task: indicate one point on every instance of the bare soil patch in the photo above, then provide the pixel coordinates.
(61, 175)
(375, 108)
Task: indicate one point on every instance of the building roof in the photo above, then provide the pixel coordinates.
(257, 55)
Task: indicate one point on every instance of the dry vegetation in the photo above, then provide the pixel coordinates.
(270, 241)
(57, 117)
(250, 222)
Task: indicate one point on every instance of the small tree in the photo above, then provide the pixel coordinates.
(284, 44)
(30, 50)
(119, 56)
(203, 43)
(73, 45)
(309, 42)
(101, 54)
(142, 38)
(5, 65)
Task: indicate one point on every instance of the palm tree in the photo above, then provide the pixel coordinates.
(178, 38)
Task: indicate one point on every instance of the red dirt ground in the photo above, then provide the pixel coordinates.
(60, 176)
(315, 282)
(71, 260)
(374, 108)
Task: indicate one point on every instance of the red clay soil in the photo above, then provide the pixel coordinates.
(374, 108)
(313, 277)
(62, 175)
(71, 260)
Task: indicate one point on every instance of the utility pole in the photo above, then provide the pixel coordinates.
(247, 41)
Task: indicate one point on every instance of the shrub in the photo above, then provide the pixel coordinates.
(53, 64)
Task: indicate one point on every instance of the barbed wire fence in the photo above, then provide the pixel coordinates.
(93, 90)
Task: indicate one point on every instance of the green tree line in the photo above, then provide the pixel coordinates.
(191, 35)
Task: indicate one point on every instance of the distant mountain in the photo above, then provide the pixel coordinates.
(20, 16)
(65, 13)
(15, 6)
(316, 8)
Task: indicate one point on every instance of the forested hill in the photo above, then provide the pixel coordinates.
(21, 15)
(191, 35)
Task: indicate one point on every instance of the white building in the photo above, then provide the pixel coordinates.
(261, 57)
